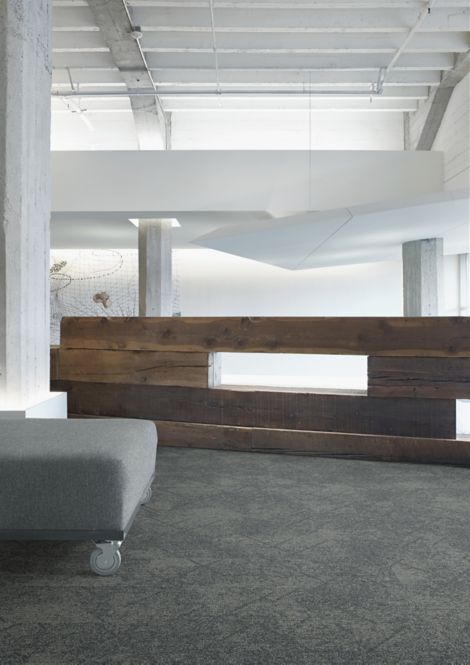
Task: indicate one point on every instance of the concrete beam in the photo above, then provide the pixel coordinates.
(441, 101)
(422, 277)
(113, 20)
(155, 267)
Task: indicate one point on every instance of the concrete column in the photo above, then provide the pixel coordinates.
(155, 275)
(422, 277)
(25, 80)
(463, 276)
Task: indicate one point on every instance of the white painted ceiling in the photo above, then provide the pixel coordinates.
(225, 54)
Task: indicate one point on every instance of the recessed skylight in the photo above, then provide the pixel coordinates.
(174, 222)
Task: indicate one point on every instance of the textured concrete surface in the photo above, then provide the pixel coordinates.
(423, 277)
(258, 559)
(155, 268)
(25, 106)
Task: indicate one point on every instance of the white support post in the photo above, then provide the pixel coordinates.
(422, 277)
(155, 267)
(463, 267)
(25, 82)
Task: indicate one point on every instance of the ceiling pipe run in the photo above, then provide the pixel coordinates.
(210, 93)
(385, 72)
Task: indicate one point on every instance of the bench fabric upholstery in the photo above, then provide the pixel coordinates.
(74, 475)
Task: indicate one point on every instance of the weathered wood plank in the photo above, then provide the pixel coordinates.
(428, 336)
(419, 377)
(321, 444)
(153, 368)
(278, 410)
(197, 435)
(55, 353)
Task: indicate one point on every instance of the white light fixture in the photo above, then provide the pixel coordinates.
(174, 222)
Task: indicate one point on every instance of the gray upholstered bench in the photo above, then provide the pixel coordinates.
(75, 480)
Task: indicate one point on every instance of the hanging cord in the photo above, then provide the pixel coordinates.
(214, 48)
(309, 140)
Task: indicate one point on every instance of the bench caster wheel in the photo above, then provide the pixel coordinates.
(146, 497)
(106, 558)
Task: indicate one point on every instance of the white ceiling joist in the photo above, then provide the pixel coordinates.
(196, 19)
(332, 62)
(283, 4)
(182, 42)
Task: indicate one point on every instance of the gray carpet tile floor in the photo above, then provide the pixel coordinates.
(245, 559)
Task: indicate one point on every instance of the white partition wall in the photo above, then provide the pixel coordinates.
(275, 182)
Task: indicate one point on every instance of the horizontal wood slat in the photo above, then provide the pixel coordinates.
(322, 444)
(278, 410)
(137, 367)
(55, 353)
(396, 336)
(419, 377)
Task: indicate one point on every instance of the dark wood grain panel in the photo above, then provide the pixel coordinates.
(321, 444)
(396, 336)
(198, 435)
(419, 377)
(55, 367)
(157, 368)
(279, 410)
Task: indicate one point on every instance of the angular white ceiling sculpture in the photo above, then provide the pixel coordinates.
(347, 236)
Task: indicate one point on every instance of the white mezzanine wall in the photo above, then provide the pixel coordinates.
(294, 130)
(290, 130)
(87, 126)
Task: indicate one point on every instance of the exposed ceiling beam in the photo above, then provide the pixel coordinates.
(441, 100)
(113, 20)
(198, 19)
(292, 4)
(339, 61)
(200, 42)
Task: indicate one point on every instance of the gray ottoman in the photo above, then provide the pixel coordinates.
(75, 480)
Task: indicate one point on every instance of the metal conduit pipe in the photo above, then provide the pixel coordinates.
(421, 16)
(210, 93)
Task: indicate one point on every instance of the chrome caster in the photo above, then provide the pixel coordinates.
(146, 497)
(106, 558)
